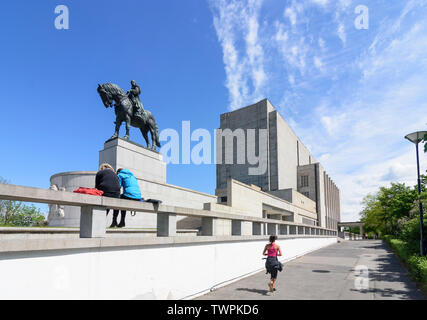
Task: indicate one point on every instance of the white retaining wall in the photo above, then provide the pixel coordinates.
(144, 272)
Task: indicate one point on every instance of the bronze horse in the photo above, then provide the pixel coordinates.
(123, 108)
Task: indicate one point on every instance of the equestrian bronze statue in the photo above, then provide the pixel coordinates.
(129, 109)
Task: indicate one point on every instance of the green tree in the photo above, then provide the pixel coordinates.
(410, 233)
(26, 216)
(373, 215)
(423, 196)
(15, 213)
(386, 211)
(2, 202)
(397, 201)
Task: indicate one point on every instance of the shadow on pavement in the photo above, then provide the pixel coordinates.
(391, 271)
(321, 271)
(262, 292)
(374, 246)
(389, 292)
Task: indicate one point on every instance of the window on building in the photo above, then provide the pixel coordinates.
(307, 194)
(308, 222)
(223, 199)
(304, 181)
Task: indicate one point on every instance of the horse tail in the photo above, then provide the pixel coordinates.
(156, 130)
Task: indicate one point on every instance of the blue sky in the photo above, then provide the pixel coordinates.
(349, 94)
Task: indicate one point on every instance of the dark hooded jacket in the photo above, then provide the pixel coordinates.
(106, 180)
(273, 263)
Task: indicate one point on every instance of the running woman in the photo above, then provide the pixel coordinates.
(272, 251)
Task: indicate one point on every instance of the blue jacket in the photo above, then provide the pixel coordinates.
(129, 184)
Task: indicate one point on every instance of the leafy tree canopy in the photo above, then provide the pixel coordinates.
(15, 213)
(389, 208)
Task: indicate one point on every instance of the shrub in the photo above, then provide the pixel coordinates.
(411, 233)
(417, 265)
(401, 248)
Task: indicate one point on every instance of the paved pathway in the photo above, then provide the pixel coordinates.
(329, 273)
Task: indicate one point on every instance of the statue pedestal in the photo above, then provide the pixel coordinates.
(150, 170)
(142, 162)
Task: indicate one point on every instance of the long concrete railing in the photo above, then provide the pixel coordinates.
(93, 218)
(350, 236)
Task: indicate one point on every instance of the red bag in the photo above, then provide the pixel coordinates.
(91, 191)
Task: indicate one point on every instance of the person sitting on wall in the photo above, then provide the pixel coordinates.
(106, 180)
(130, 190)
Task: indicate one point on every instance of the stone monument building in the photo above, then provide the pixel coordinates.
(291, 172)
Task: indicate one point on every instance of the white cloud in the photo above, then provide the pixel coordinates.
(318, 63)
(322, 43)
(321, 2)
(364, 133)
(352, 103)
(389, 28)
(244, 67)
(409, 49)
(292, 15)
(341, 33)
(293, 51)
(344, 4)
(368, 180)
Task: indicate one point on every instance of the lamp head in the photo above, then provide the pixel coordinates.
(416, 137)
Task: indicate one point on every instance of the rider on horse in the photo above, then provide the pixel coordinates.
(133, 94)
(128, 108)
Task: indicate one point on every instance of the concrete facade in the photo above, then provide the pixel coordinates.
(252, 201)
(291, 174)
(142, 162)
(251, 117)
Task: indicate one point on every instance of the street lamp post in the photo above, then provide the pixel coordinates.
(416, 138)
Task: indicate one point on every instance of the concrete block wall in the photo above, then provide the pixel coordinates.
(251, 201)
(142, 162)
(251, 117)
(152, 271)
(332, 203)
(69, 181)
(286, 154)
